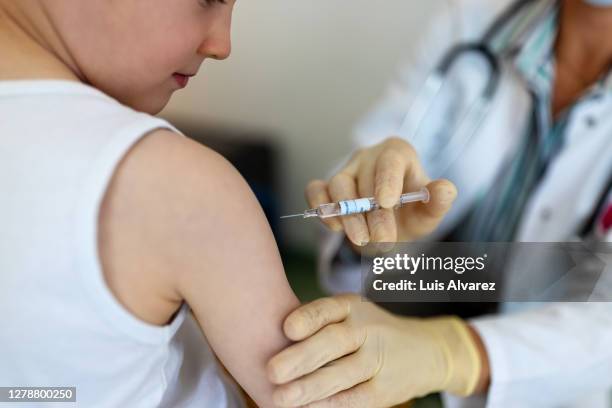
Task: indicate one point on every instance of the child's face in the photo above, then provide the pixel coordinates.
(135, 50)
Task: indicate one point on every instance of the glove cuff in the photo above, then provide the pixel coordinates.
(463, 361)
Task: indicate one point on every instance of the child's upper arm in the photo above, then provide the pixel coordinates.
(212, 243)
(232, 275)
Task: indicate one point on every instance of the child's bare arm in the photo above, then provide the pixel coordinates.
(180, 223)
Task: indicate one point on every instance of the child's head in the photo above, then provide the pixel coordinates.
(133, 49)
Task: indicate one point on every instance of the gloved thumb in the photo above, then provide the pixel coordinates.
(442, 194)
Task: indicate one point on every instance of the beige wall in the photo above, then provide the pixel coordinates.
(306, 71)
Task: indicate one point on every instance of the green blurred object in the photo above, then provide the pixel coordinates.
(431, 401)
(301, 270)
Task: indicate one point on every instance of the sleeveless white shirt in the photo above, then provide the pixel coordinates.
(60, 325)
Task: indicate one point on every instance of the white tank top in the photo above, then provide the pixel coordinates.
(60, 325)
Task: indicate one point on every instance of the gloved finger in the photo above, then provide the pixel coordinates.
(354, 163)
(390, 171)
(344, 187)
(328, 344)
(425, 217)
(381, 223)
(361, 396)
(308, 319)
(317, 194)
(415, 177)
(339, 375)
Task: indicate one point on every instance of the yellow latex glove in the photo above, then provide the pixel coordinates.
(352, 353)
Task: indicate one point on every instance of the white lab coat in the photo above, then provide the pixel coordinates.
(550, 355)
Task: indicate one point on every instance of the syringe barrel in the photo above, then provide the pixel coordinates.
(359, 205)
(421, 195)
(363, 205)
(347, 207)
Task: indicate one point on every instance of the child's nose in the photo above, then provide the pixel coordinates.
(220, 50)
(218, 43)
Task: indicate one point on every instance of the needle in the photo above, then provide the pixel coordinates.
(293, 215)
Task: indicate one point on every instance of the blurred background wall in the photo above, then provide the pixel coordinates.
(300, 75)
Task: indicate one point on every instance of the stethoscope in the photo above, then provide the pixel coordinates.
(450, 148)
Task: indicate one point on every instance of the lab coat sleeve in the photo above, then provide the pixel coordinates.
(552, 354)
(548, 356)
(341, 274)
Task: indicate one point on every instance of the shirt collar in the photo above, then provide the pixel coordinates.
(535, 60)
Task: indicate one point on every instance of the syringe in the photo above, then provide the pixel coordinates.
(358, 206)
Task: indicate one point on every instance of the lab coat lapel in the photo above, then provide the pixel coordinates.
(494, 143)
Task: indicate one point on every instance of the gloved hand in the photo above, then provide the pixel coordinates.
(352, 353)
(384, 171)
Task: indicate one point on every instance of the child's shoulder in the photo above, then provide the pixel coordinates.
(168, 193)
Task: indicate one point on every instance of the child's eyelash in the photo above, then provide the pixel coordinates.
(211, 2)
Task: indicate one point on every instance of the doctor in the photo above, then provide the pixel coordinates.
(547, 143)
